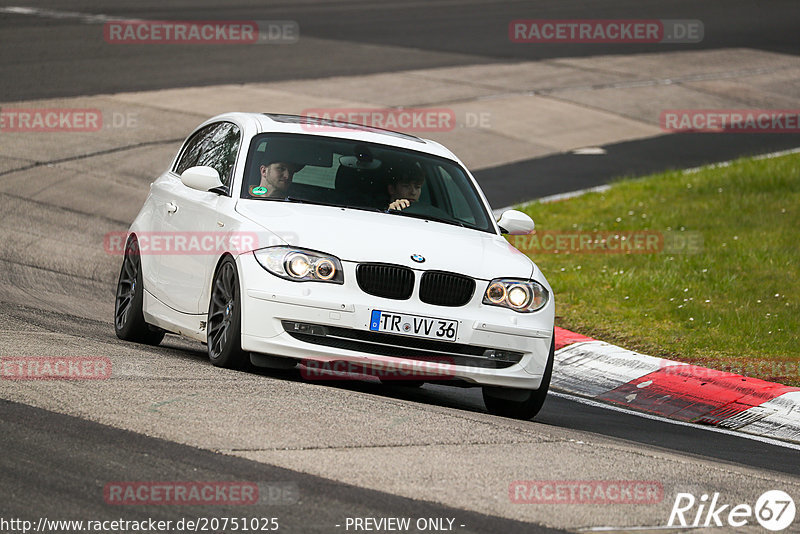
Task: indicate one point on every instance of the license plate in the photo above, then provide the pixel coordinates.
(413, 325)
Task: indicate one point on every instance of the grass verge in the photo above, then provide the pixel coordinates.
(730, 303)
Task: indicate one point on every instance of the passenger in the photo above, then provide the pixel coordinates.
(276, 177)
(406, 187)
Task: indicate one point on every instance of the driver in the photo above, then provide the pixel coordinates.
(275, 179)
(405, 187)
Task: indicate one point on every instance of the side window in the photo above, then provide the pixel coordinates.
(461, 207)
(193, 148)
(214, 146)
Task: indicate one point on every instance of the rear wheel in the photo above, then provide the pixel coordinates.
(129, 323)
(224, 337)
(520, 403)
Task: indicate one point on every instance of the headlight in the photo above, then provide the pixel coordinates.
(300, 265)
(297, 265)
(519, 295)
(496, 293)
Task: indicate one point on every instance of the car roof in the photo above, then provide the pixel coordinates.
(301, 124)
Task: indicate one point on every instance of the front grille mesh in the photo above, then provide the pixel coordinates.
(384, 280)
(446, 289)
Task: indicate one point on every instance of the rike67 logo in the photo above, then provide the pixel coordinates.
(774, 510)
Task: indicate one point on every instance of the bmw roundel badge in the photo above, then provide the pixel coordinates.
(419, 258)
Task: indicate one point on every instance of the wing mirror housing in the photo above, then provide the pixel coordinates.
(202, 178)
(514, 222)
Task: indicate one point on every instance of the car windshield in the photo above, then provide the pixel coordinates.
(368, 176)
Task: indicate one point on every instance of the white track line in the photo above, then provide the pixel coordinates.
(570, 194)
(87, 18)
(601, 188)
(726, 163)
(596, 404)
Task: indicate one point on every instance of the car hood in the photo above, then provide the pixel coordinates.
(364, 236)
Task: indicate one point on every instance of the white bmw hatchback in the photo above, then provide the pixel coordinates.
(281, 240)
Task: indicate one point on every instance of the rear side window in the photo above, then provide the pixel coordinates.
(216, 146)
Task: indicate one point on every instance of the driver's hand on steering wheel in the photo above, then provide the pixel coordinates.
(399, 204)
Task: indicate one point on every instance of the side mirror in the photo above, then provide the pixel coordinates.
(201, 178)
(515, 223)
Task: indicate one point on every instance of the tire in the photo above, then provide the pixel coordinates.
(129, 323)
(224, 324)
(520, 403)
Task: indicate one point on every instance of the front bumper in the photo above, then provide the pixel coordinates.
(494, 346)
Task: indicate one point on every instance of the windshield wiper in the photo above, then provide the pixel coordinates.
(454, 222)
(321, 203)
(427, 217)
(365, 208)
(306, 201)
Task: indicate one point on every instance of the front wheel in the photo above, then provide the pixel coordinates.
(224, 337)
(520, 403)
(129, 323)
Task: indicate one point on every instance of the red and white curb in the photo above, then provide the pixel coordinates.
(590, 368)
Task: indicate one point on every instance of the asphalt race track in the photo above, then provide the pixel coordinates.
(343, 450)
(410, 35)
(565, 172)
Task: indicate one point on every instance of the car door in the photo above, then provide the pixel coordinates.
(162, 204)
(193, 219)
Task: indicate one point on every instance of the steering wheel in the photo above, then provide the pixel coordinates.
(419, 208)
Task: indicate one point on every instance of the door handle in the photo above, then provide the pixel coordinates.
(172, 207)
